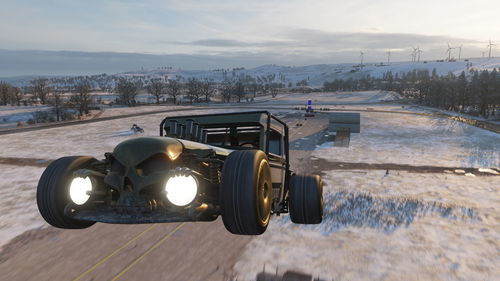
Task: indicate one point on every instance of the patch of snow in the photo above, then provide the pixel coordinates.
(404, 226)
(18, 209)
(488, 170)
(418, 140)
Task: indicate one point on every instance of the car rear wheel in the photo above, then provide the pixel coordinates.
(306, 199)
(53, 191)
(246, 192)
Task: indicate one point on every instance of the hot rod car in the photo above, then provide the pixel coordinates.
(234, 165)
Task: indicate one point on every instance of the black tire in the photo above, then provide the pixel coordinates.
(52, 193)
(246, 192)
(305, 199)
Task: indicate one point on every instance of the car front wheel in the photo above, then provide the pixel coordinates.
(246, 192)
(57, 188)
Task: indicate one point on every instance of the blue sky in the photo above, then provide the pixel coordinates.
(298, 32)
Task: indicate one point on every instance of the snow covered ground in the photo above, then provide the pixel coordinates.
(337, 98)
(379, 227)
(419, 140)
(18, 209)
(11, 115)
(317, 74)
(400, 226)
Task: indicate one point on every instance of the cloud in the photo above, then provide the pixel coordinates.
(369, 40)
(304, 40)
(291, 47)
(227, 43)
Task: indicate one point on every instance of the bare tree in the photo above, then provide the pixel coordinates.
(207, 89)
(5, 93)
(18, 95)
(156, 88)
(127, 91)
(57, 103)
(193, 87)
(273, 88)
(173, 89)
(227, 90)
(41, 89)
(239, 90)
(82, 99)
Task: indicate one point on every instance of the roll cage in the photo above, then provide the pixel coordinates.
(239, 131)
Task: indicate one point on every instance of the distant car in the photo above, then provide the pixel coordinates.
(235, 165)
(136, 129)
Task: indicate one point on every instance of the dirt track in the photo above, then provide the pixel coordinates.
(175, 251)
(324, 164)
(481, 124)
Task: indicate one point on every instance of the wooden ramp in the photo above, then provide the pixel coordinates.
(342, 124)
(342, 138)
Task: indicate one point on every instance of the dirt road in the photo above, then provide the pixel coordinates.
(327, 107)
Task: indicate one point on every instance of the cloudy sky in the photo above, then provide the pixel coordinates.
(249, 33)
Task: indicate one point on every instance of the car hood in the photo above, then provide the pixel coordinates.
(134, 151)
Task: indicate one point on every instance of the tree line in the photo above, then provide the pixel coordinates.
(476, 92)
(194, 90)
(70, 92)
(41, 91)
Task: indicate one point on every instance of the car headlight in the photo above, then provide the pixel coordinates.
(181, 189)
(78, 190)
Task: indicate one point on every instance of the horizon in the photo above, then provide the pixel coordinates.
(122, 63)
(212, 34)
(215, 34)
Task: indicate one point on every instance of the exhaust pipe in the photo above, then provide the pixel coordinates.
(204, 136)
(196, 128)
(181, 129)
(189, 129)
(172, 129)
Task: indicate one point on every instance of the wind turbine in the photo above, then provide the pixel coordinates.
(489, 46)
(419, 52)
(449, 51)
(389, 57)
(414, 54)
(361, 54)
(460, 51)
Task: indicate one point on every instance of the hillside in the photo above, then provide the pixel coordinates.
(317, 74)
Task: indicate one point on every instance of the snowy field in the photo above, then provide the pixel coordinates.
(419, 140)
(11, 115)
(317, 74)
(400, 226)
(336, 98)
